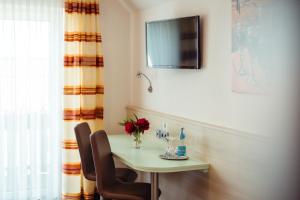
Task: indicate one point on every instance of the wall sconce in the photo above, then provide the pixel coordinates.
(139, 75)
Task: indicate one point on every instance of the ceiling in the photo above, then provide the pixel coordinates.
(144, 4)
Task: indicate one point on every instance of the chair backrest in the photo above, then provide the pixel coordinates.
(83, 132)
(104, 163)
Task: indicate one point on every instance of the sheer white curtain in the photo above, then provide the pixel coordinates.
(31, 45)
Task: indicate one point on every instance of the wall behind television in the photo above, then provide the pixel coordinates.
(204, 95)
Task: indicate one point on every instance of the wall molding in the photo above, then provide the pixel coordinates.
(195, 123)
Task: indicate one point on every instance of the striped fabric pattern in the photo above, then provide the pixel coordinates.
(83, 37)
(82, 61)
(83, 90)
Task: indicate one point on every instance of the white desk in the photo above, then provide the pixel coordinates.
(147, 159)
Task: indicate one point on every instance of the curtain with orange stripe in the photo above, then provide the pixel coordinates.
(83, 89)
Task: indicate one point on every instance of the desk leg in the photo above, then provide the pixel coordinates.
(154, 186)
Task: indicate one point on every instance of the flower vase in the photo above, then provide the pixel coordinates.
(136, 127)
(137, 140)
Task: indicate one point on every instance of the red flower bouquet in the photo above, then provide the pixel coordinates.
(136, 127)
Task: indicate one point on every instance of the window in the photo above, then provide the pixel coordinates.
(24, 62)
(31, 68)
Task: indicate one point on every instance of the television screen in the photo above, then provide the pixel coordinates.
(174, 43)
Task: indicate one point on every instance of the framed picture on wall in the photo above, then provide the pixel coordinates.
(251, 24)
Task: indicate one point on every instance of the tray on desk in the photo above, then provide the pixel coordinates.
(167, 156)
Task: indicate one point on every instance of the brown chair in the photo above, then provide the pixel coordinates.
(83, 132)
(107, 184)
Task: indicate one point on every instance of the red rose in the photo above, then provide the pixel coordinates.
(142, 124)
(129, 127)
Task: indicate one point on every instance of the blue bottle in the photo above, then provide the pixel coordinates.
(181, 149)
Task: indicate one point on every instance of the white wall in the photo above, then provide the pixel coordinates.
(204, 95)
(115, 28)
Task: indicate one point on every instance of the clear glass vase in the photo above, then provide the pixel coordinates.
(137, 140)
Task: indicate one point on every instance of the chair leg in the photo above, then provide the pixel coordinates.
(97, 196)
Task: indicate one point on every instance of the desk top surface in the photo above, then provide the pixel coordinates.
(147, 157)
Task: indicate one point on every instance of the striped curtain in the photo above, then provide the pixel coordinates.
(83, 89)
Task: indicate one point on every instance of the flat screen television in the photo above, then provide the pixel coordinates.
(174, 43)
